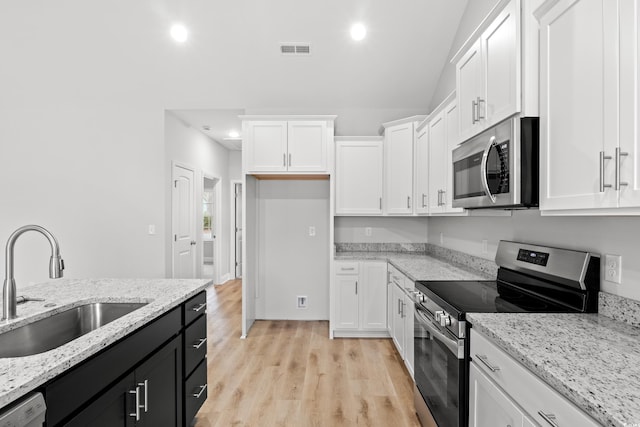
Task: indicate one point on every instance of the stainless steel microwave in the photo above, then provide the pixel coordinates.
(499, 167)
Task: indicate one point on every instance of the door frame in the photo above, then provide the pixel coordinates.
(186, 166)
(232, 226)
(217, 194)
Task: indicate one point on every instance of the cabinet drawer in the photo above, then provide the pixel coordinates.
(195, 392)
(195, 307)
(396, 277)
(347, 268)
(529, 391)
(195, 344)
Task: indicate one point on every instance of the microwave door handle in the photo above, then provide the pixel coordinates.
(483, 169)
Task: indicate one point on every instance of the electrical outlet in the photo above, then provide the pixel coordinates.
(484, 246)
(367, 231)
(613, 268)
(441, 238)
(152, 229)
(312, 231)
(302, 302)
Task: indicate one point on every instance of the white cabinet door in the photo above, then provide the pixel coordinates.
(437, 166)
(501, 66)
(629, 94)
(398, 162)
(373, 298)
(266, 146)
(307, 146)
(578, 107)
(488, 405)
(359, 177)
(391, 306)
(469, 90)
(398, 320)
(451, 123)
(421, 167)
(408, 333)
(346, 302)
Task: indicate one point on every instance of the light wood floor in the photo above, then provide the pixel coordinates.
(289, 373)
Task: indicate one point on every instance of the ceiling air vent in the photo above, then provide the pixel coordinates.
(295, 49)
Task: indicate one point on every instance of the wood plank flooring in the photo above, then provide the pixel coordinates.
(289, 373)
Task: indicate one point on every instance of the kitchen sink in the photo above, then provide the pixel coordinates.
(60, 328)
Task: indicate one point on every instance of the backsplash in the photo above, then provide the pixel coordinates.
(471, 261)
(415, 248)
(619, 308)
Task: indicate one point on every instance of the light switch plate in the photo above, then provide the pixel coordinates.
(312, 231)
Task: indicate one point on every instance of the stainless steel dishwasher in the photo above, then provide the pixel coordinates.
(29, 412)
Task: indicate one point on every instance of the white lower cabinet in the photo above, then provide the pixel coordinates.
(360, 298)
(503, 392)
(401, 316)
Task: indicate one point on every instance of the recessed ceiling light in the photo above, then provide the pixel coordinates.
(233, 134)
(179, 33)
(358, 31)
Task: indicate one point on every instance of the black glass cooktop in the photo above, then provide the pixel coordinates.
(461, 297)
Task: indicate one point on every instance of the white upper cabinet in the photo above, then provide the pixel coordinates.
(297, 144)
(451, 121)
(421, 169)
(398, 166)
(359, 176)
(588, 112)
(489, 69)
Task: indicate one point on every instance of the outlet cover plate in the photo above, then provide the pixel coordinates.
(613, 268)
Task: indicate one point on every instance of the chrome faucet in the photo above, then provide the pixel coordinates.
(56, 265)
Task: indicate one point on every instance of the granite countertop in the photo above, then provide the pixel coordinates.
(421, 267)
(592, 360)
(20, 375)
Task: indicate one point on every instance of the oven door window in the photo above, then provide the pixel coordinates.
(438, 373)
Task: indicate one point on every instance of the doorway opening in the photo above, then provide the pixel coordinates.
(209, 228)
(237, 228)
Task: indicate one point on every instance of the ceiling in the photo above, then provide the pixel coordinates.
(121, 50)
(216, 124)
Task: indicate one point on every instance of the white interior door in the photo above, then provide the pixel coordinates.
(183, 223)
(238, 230)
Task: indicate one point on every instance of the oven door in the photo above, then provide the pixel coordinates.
(439, 370)
(485, 171)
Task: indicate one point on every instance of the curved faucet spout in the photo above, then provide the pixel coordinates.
(56, 265)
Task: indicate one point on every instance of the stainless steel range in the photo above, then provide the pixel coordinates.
(531, 278)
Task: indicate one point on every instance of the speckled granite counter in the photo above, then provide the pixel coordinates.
(420, 267)
(20, 375)
(591, 359)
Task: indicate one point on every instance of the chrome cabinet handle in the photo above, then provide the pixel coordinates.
(486, 363)
(348, 268)
(424, 204)
(197, 308)
(199, 393)
(356, 287)
(483, 169)
(619, 154)
(444, 199)
(380, 203)
(408, 202)
(478, 102)
(550, 418)
(284, 159)
(439, 194)
(602, 159)
(199, 344)
(136, 414)
(399, 309)
(289, 159)
(145, 405)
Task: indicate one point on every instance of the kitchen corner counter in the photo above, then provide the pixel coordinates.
(20, 375)
(419, 267)
(592, 360)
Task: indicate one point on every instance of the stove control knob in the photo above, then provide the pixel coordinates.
(445, 320)
(439, 314)
(419, 296)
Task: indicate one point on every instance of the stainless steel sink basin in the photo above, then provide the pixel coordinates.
(60, 328)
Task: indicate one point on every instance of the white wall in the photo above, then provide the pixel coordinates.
(235, 165)
(383, 230)
(192, 148)
(611, 235)
(473, 15)
(292, 263)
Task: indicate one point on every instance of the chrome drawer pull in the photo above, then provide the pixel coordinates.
(550, 418)
(348, 269)
(198, 394)
(199, 343)
(483, 359)
(145, 405)
(199, 307)
(136, 414)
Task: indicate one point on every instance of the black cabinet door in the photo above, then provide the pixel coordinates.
(160, 383)
(112, 409)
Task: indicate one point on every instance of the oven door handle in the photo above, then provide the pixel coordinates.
(483, 169)
(451, 344)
